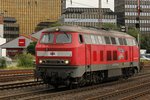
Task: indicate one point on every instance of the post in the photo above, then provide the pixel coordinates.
(100, 15)
(138, 27)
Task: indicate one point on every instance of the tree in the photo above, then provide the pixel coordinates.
(145, 43)
(144, 39)
(55, 24)
(31, 48)
(133, 32)
(109, 26)
(46, 25)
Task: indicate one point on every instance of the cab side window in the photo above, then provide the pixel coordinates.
(81, 39)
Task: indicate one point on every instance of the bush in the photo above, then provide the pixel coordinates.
(25, 60)
(2, 62)
(31, 48)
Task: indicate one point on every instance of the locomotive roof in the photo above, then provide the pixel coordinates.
(88, 30)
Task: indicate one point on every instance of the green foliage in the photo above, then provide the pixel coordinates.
(25, 60)
(38, 28)
(55, 24)
(110, 26)
(31, 48)
(52, 24)
(145, 42)
(133, 32)
(2, 62)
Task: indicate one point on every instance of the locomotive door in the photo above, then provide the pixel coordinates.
(88, 57)
(131, 53)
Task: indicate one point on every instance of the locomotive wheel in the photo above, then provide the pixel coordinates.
(56, 86)
(101, 77)
(73, 86)
(131, 72)
(96, 78)
(128, 72)
(135, 71)
(125, 74)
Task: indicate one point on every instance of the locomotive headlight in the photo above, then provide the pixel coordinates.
(40, 61)
(66, 61)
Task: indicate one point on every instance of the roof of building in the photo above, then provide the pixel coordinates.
(29, 37)
(15, 43)
(87, 10)
(38, 34)
(2, 40)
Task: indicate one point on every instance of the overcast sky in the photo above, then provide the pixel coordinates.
(90, 3)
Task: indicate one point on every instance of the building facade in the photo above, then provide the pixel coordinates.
(11, 28)
(18, 45)
(2, 51)
(127, 14)
(1, 26)
(29, 13)
(88, 16)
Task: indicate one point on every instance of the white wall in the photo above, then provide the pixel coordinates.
(82, 3)
(109, 4)
(2, 51)
(1, 30)
(90, 3)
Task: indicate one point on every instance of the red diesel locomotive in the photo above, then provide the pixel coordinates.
(73, 55)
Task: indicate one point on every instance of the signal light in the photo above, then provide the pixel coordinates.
(123, 29)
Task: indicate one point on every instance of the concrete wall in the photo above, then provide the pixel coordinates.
(1, 26)
(1, 30)
(2, 51)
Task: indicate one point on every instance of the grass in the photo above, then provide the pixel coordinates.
(19, 68)
(16, 67)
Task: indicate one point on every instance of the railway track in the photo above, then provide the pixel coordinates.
(15, 75)
(12, 72)
(19, 85)
(63, 94)
(25, 94)
(118, 94)
(140, 95)
(85, 92)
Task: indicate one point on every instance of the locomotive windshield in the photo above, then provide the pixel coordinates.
(60, 38)
(47, 38)
(63, 38)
